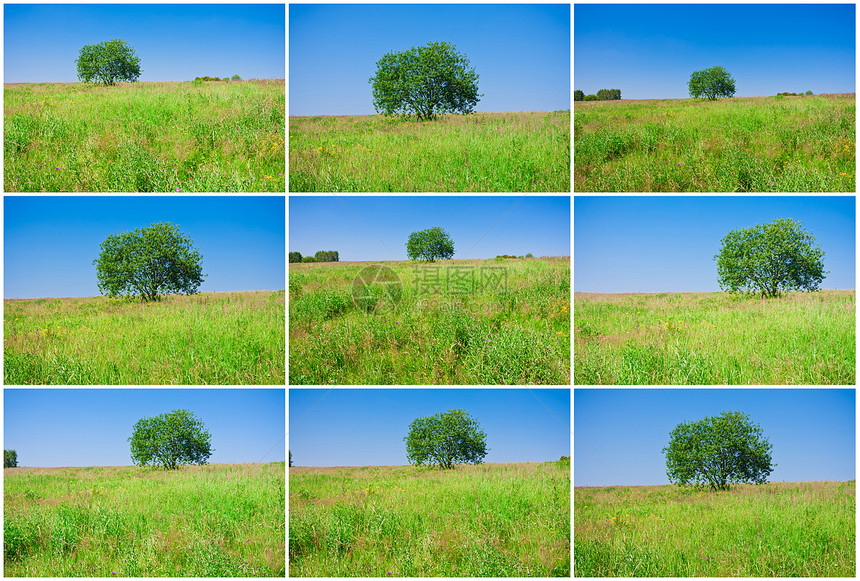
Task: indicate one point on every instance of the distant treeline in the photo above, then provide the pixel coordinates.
(602, 95)
(320, 256)
(794, 94)
(234, 78)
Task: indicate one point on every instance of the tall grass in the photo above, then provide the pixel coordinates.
(714, 338)
(223, 520)
(516, 332)
(786, 529)
(482, 152)
(493, 520)
(207, 338)
(144, 137)
(773, 144)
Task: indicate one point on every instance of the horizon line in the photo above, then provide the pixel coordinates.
(259, 290)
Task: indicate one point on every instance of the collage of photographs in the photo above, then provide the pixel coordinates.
(182, 311)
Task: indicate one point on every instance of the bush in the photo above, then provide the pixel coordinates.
(10, 459)
(500, 256)
(578, 95)
(590, 98)
(236, 78)
(530, 255)
(327, 256)
(308, 259)
(809, 93)
(208, 79)
(295, 256)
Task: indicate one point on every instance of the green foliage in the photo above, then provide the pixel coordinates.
(108, 62)
(609, 94)
(770, 258)
(578, 95)
(327, 256)
(170, 439)
(590, 98)
(10, 459)
(207, 78)
(529, 255)
(711, 83)
(809, 93)
(148, 262)
(724, 449)
(295, 256)
(446, 439)
(426, 80)
(235, 78)
(308, 259)
(429, 245)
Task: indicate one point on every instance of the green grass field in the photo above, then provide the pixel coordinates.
(481, 152)
(514, 328)
(714, 338)
(207, 338)
(488, 520)
(785, 529)
(171, 137)
(219, 520)
(754, 144)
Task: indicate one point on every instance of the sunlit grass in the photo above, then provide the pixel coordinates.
(755, 144)
(481, 152)
(492, 520)
(785, 529)
(207, 338)
(145, 137)
(714, 338)
(222, 520)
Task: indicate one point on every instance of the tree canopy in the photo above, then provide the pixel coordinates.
(148, 262)
(10, 459)
(770, 258)
(430, 245)
(711, 83)
(425, 80)
(724, 449)
(446, 439)
(170, 439)
(108, 62)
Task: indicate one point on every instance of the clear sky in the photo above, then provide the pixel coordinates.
(619, 434)
(49, 243)
(648, 51)
(668, 243)
(377, 228)
(175, 42)
(521, 52)
(366, 427)
(91, 427)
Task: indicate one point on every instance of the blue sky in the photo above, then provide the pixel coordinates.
(366, 427)
(521, 52)
(660, 244)
(648, 51)
(175, 42)
(50, 242)
(377, 228)
(619, 434)
(91, 427)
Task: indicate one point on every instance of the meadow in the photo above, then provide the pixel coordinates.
(742, 144)
(714, 338)
(486, 322)
(784, 529)
(219, 520)
(480, 152)
(201, 339)
(487, 520)
(191, 136)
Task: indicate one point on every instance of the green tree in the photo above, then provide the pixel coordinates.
(578, 95)
(327, 256)
(308, 259)
(711, 83)
(108, 62)
(770, 258)
(236, 78)
(148, 262)
(725, 449)
(426, 80)
(609, 94)
(10, 459)
(446, 439)
(431, 244)
(170, 439)
(295, 256)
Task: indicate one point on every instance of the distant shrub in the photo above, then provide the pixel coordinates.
(578, 95)
(609, 95)
(590, 98)
(208, 79)
(236, 78)
(530, 255)
(10, 459)
(809, 93)
(500, 256)
(308, 259)
(327, 256)
(564, 462)
(295, 256)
